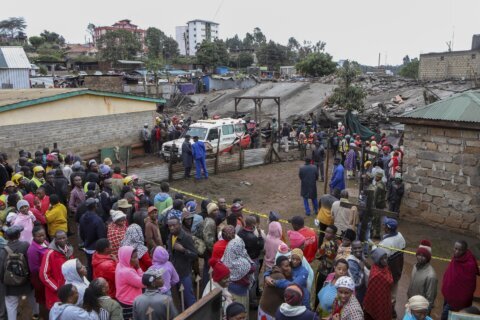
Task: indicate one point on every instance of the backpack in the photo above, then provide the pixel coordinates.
(198, 241)
(16, 268)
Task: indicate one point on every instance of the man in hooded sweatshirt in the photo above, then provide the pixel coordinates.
(51, 268)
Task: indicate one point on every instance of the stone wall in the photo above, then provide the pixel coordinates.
(449, 65)
(82, 135)
(442, 177)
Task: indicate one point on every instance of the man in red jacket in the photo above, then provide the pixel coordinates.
(51, 268)
(311, 240)
(104, 264)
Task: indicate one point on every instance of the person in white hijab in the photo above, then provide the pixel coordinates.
(74, 272)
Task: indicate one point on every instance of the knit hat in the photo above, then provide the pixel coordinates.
(378, 254)
(17, 177)
(92, 161)
(283, 248)
(345, 282)
(425, 249)
(296, 239)
(38, 169)
(298, 252)
(234, 309)
(51, 157)
(211, 207)
(220, 271)
(367, 164)
(417, 302)
(22, 203)
(127, 180)
(117, 215)
(293, 295)
(107, 161)
(104, 169)
(273, 216)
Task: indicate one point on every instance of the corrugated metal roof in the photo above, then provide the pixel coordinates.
(462, 107)
(13, 58)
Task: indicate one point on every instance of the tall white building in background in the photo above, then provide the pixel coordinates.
(181, 37)
(195, 33)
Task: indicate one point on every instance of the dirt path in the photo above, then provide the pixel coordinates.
(277, 187)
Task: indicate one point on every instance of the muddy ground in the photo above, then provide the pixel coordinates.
(277, 187)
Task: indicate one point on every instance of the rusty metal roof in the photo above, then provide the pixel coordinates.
(462, 107)
(13, 58)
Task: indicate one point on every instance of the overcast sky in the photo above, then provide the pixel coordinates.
(352, 29)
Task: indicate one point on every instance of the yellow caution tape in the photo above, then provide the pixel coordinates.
(263, 215)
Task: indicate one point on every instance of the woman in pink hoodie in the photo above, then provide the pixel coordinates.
(128, 279)
(274, 239)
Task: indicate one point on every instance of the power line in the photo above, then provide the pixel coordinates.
(218, 9)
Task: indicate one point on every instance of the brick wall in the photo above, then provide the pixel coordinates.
(84, 135)
(449, 65)
(442, 177)
(104, 83)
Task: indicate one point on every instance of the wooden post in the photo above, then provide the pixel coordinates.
(218, 151)
(260, 123)
(197, 280)
(325, 180)
(170, 164)
(182, 298)
(126, 160)
(367, 215)
(237, 101)
(241, 157)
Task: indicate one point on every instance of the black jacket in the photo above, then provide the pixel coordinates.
(182, 261)
(92, 228)
(318, 154)
(308, 175)
(253, 244)
(17, 246)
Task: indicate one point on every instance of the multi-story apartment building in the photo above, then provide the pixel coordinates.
(121, 25)
(194, 34)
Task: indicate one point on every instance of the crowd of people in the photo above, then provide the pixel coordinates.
(79, 240)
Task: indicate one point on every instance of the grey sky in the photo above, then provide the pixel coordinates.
(352, 29)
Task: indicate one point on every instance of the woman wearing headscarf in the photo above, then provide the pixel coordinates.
(377, 303)
(24, 218)
(170, 275)
(346, 305)
(273, 240)
(241, 270)
(116, 230)
(284, 250)
(417, 309)
(134, 237)
(74, 272)
(292, 308)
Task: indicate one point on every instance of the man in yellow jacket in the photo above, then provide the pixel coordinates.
(56, 216)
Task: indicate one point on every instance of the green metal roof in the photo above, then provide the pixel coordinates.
(73, 93)
(462, 107)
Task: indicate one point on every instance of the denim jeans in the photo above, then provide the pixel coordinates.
(188, 295)
(307, 206)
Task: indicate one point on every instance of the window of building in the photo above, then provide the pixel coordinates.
(474, 56)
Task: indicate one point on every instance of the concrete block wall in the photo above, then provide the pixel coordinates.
(83, 135)
(449, 65)
(104, 83)
(442, 177)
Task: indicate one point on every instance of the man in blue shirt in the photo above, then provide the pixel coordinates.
(338, 179)
(199, 154)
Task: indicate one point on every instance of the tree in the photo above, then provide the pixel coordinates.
(154, 65)
(234, 44)
(317, 64)
(241, 60)
(118, 45)
(410, 70)
(213, 53)
(52, 37)
(347, 95)
(272, 54)
(36, 41)
(91, 31)
(12, 26)
(406, 60)
(259, 37)
(159, 45)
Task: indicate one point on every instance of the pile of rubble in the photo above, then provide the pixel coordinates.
(391, 96)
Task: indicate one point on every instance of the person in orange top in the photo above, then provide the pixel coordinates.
(311, 240)
(104, 264)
